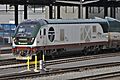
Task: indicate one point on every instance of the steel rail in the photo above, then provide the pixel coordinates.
(8, 61)
(99, 77)
(5, 50)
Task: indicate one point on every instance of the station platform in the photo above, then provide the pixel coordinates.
(85, 63)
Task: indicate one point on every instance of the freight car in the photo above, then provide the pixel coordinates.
(54, 36)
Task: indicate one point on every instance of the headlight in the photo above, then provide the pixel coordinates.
(14, 39)
(106, 36)
(32, 39)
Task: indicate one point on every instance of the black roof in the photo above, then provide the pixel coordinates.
(102, 22)
(100, 3)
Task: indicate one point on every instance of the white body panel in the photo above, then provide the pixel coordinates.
(71, 34)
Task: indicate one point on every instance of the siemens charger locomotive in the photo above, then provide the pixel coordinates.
(54, 36)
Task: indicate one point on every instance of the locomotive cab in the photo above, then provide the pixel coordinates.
(24, 39)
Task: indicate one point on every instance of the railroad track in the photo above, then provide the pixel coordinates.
(58, 71)
(60, 61)
(5, 50)
(103, 76)
(82, 58)
(31, 75)
(107, 76)
(13, 62)
(100, 77)
(8, 61)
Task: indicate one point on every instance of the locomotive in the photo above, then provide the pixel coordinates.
(54, 36)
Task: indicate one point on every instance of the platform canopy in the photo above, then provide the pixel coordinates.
(92, 3)
(29, 2)
(98, 3)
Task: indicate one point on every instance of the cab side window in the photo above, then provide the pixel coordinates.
(40, 32)
(44, 32)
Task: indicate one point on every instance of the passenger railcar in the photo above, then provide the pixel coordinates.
(54, 36)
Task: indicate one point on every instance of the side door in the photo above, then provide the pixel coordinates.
(43, 40)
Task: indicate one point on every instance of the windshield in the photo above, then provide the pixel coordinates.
(25, 30)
